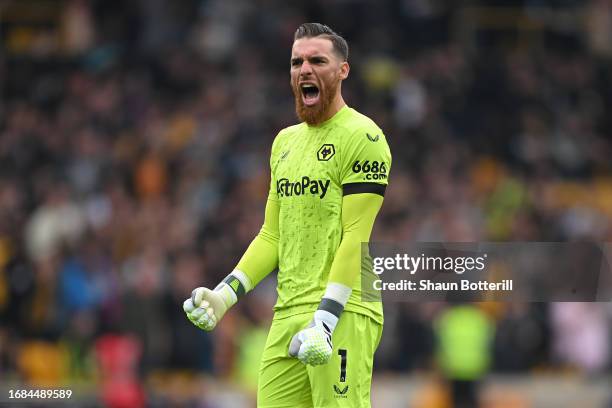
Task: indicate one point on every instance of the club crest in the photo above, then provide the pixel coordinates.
(326, 152)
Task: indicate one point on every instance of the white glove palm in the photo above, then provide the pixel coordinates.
(313, 345)
(206, 307)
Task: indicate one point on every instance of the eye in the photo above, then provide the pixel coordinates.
(295, 62)
(318, 60)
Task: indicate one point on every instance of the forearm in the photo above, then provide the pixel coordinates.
(358, 215)
(261, 257)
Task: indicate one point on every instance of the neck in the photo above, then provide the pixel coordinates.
(337, 104)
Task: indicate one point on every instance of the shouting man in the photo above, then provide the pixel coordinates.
(329, 175)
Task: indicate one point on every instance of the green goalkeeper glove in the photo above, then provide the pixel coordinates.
(206, 307)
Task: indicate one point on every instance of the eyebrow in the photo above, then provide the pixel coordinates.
(316, 57)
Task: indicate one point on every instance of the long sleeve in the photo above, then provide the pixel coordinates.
(358, 214)
(261, 257)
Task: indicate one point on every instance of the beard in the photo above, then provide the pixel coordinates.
(316, 114)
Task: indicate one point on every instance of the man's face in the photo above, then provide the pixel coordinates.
(316, 73)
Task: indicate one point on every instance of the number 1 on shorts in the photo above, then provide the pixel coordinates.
(342, 353)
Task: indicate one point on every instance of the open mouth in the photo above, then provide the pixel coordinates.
(310, 94)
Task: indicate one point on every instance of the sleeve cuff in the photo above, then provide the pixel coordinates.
(338, 292)
(335, 298)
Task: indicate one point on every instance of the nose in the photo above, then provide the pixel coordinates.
(305, 69)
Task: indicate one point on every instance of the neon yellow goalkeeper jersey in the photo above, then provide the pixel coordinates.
(311, 167)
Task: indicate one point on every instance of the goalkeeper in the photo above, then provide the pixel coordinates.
(328, 179)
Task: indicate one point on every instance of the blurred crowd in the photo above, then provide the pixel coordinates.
(134, 145)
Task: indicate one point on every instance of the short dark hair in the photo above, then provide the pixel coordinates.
(309, 30)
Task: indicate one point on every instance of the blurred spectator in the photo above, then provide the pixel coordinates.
(521, 338)
(464, 335)
(582, 335)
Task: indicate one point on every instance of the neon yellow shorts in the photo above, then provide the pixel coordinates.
(343, 382)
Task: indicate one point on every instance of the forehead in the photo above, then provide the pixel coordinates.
(306, 47)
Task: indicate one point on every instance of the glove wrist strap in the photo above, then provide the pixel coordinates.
(233, 287)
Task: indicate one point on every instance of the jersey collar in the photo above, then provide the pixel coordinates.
(343, 111)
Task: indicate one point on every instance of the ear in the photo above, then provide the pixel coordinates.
(344, 70)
